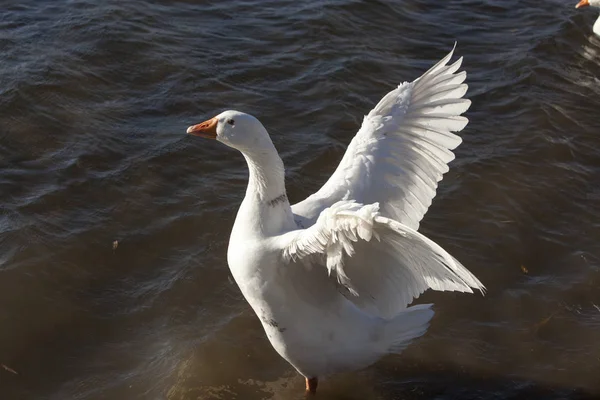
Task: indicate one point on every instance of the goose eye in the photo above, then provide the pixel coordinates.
(231, 122)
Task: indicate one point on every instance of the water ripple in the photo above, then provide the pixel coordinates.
(114, 224)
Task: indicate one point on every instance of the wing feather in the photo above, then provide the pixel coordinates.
(383, 263)
(393, 165)
(402, 149)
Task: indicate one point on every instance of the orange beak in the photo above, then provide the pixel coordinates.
(207, 129)
(583, 3)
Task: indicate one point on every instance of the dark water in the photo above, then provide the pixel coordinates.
(94, 101)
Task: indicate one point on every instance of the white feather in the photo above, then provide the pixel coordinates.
(386, 274)
(402, 149)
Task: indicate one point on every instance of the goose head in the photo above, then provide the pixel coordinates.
(586, 3)
(236, 129)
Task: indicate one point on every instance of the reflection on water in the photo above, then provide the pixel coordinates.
(591, 51)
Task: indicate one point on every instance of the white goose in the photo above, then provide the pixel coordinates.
(331, 277)
(592, 3)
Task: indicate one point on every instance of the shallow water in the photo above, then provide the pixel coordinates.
(114, 224)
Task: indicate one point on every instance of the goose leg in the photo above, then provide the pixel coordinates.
(311, 385)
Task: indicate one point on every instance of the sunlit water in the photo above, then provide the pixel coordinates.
(114, 224)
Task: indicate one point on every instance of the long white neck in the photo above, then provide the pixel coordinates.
(265, 210)
(267, 174)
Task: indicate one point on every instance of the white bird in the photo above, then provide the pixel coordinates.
(592, 3)
(331, 277)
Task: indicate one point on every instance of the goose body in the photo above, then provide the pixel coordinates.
(331, 277)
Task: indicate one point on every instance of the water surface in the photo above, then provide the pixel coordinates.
(114, 224)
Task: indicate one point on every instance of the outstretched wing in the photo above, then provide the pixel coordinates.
(383, 263)
(402, 149)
